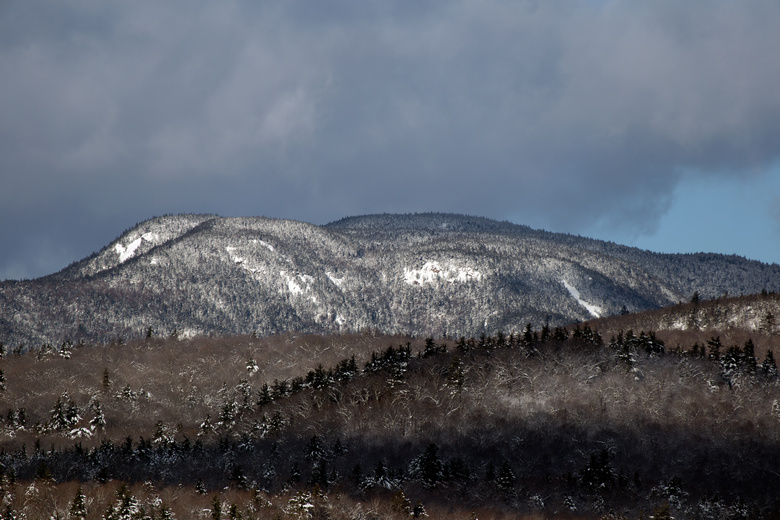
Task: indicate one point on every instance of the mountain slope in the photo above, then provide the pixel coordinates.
(417, 274)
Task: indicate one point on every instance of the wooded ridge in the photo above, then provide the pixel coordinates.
(422, 274)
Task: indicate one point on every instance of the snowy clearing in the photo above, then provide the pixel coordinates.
(266, 245)
(126, 252)
(593, 309)
(432, 272)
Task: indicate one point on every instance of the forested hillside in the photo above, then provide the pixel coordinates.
(540, 422)
(430, 274)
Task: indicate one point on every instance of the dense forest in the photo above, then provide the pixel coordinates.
(429, 274)
(592, 420)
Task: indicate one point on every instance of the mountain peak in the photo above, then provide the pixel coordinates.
(419, 274)
(434, 222)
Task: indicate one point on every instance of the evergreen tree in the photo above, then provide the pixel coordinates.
(319, 475)
(402, 504)
(749, 357)
(356, 475)
(43, 473)
(624, 351)
(264, 395)
(206, 427)
(715, 346)
(769, 323)
(730, 363)
(598, 473)
(455, 374)
(216, 508)
(652, 345)
(545, 331)
(10, 513)
(127, 507)
(234, 513)
(560, 334)
(57, 419)
(418, 510)
(166, 513)
(429, 467)
(490, 473)
(315, 450)
(72, 414)
(227, 418)
(338, 448)
(65, 349)
(98, 422)
(237, 477)
(506, 479)
(769, 366)
(430, 348)
(295, 474)
(528, 336)
(78, 508)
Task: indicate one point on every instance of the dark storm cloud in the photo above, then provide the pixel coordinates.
(557, 114)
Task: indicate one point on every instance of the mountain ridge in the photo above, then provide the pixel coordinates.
(429, 273)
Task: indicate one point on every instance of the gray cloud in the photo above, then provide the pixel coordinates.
(558, 114)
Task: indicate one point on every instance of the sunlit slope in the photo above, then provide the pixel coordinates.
(416, 274)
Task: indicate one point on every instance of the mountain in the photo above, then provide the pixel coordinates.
(416, 274)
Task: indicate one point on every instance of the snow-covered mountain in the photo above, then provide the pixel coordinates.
(419, 274)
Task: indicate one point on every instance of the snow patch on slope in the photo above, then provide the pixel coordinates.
(126, 252)
(432, 272)
(238, 260)
(294, 287)
(593, 309)
(336, 281)
(264, 244)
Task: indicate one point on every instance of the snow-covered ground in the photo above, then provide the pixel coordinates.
(593, 309)
(126, 252)
(432, 272)
(336, 281)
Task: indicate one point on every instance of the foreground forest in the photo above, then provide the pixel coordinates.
(589, 421)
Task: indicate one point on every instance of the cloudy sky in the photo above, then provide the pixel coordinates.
(654, 124)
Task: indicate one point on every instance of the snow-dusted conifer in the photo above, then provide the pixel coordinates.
(98, 422)
(506, 479)
(315, 450)
(206, 427)
(65, 413)
(769, 366)
(78, 508)
(455, 375)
